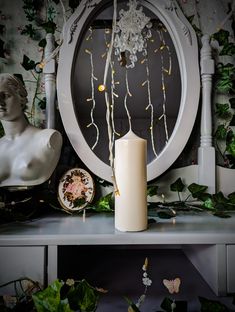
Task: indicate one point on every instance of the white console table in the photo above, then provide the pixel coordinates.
(31, 248)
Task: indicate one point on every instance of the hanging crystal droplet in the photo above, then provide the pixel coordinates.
(132, 32)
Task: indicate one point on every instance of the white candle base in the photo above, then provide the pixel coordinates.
(131, 177)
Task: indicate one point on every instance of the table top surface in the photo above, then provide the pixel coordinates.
(98, 229)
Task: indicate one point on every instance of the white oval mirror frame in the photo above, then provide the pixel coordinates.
(185, 42)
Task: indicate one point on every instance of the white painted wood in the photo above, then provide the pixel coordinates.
(185, 42)
(187, 174)
(206, 152)
(231, 268)
(225, 180)
(201, 236)
(52, 263)
(210, 261)
(50, 82)
(21, 261)
(98, 229)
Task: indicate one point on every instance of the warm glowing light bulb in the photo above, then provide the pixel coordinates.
(101, 88)
(117, 193)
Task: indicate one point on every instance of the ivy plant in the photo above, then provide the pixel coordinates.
(38, 26)
(67, 297)
(198, 200)
(225, 112)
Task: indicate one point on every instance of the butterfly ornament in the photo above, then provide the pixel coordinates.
(172, 285)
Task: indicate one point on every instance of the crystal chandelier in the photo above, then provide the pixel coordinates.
(132, 31)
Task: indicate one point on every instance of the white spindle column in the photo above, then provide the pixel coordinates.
(50, 82)
(206, 152)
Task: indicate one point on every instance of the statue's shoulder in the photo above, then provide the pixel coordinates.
(51, 137)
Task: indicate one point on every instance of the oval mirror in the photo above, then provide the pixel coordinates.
(157, 94)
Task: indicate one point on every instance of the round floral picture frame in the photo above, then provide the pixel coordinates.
(76, 189)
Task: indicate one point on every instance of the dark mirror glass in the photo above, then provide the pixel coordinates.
(150, 92)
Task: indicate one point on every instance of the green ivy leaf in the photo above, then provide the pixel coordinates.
(49, 300)
(230, 148)
(222, 111)
(229, 137)
(197, 30)
(208, 203)
(166, 304)
(231, 160)
(42, 43)
(30, 13)
(165, 214)
(27, 63)
(208, 305)
(221, 36)
(231, 198)
(31, 8)
(49, 27)
(177, 186)
(225, 70)
(20, 77)
(85, 296)
(78, 202)
(224, 77)
(180, 305)
(224, 85)
(196, 189)
(203, 196)
(30, 31)
(105, 203)
(219, 198)
(228, 49)
(221, 132)
(152, 190)
(42, 104)
(51, 13)
(190, 18)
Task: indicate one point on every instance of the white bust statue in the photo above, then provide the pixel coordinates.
(28, 155)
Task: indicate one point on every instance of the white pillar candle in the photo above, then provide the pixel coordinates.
(131, 178)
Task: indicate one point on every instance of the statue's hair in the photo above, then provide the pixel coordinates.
(15, 85)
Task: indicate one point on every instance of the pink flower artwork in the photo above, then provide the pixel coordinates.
(76, 189)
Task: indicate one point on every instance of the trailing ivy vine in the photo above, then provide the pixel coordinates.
(198, 200)
(225, 112)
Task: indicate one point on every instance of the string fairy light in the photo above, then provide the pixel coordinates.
(92, 123)
(89, 37)
(164, 71)
(113, 95)
(113, 87)
(107, 100)
(39, 66)
(150, 105)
